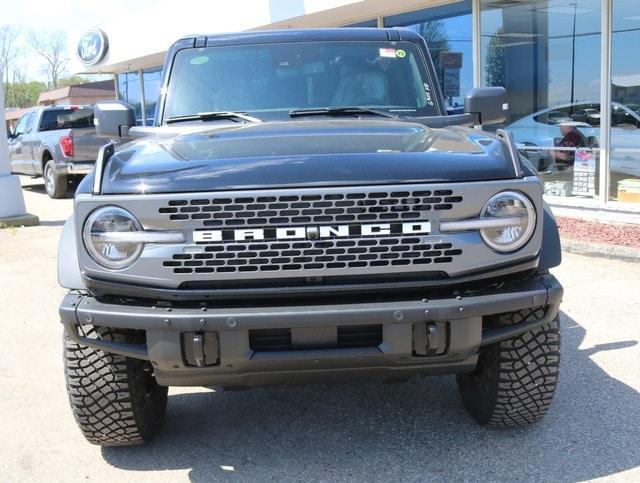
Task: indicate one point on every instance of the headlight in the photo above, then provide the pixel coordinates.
(109, 250)
(519, 216)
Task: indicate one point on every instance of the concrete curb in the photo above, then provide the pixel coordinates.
(22, 220)
(601, 250)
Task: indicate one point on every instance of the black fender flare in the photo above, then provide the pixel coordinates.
(551, 251)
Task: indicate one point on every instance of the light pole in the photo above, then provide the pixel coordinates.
(573, 55)
(12, 209)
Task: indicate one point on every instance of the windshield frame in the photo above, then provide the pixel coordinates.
(425, 65)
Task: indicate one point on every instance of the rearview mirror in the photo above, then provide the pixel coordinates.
(489, 104)
(113, 119)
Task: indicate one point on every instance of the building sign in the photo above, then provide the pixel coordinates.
(450, 60)
(92, 47)
(451, 82)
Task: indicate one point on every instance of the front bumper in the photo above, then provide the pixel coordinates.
(404, 351)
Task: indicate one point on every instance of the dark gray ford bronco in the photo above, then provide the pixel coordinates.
(304, 210)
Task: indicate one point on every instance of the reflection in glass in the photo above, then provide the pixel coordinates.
(546, 53)
(447, 30)
(624, 153)
(129, 91)
(151, 79)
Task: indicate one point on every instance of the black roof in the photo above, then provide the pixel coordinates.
(302, 35)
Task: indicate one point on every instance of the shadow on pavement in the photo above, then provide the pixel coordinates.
(377, 432)
(38, 187)
(35, 187)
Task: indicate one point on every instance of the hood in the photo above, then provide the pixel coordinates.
(306, 153)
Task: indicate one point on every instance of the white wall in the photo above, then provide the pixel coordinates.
(140, 38)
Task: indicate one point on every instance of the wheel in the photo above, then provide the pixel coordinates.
(54, 184)
(115, 400)
(515, 379)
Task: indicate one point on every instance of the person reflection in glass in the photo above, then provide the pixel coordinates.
(571, 138)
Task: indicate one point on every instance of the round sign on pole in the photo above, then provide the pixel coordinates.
(92, 47)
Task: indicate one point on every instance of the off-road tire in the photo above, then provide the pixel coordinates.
(115, 399)
(515, 379)
(55, 185)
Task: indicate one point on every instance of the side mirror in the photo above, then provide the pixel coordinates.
(113, 119)
(489, 104)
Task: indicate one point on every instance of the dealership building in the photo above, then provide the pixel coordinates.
(559, 60)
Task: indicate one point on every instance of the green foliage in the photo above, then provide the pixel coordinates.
(72, 81)
(23, 94)
(496, 66)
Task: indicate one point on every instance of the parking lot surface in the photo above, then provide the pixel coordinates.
(361, 432)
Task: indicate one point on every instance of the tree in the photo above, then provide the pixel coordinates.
(496, 64)
(435, 33)
(53, 49)
(72, 80)
(8, 55)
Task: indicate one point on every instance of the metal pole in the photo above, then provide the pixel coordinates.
(143, 108)
(573, 57)
(605, 102)
(476, 43)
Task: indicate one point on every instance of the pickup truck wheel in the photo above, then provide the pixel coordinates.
(515, 379)
(54, 184)
(115, 400)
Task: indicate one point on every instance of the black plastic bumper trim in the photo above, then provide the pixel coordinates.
(135, 351)
(101, 288)
(539, 291)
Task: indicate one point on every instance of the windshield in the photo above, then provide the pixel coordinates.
(269, 80)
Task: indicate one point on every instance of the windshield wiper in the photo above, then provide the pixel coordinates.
(339, 111)
(207, 116)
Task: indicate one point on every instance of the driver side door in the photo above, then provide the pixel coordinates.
(17, 151)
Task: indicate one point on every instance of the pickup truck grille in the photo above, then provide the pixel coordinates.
(313, 255)
(284, 210)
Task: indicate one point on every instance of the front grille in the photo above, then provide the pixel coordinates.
(346, 337)
(329, 208)
(313, 256)
(310, 235)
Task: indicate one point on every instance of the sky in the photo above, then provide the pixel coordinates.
(64, 15)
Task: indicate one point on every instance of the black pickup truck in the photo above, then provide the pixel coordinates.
(304, 210)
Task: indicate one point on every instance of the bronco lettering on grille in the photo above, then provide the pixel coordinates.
(312, 232)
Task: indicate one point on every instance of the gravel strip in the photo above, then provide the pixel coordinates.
(602, 233)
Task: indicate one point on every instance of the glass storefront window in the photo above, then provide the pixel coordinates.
(624, 153)
(546, 53)
(447, 30)
(129, 91)
(151, 79)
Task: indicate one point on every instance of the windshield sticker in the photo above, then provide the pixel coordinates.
(400, 53)
(427, 93)
(202, 59)
(391, 53)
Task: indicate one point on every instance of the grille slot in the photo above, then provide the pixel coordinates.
(351, 336)
(348, 336)
(312, 255)
(296, 209)
(270, 340)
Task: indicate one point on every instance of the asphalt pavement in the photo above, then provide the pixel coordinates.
(360, 432)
